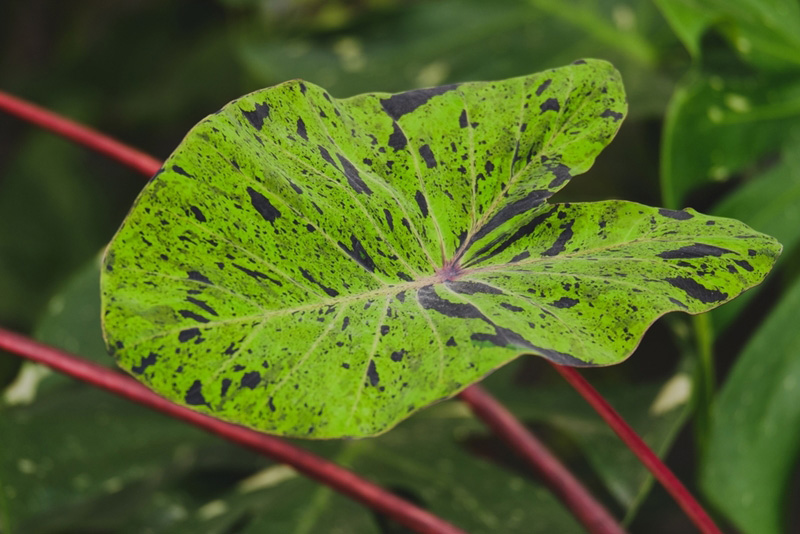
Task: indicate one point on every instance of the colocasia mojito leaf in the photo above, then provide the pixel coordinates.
(317, 267)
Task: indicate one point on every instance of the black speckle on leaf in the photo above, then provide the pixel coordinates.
(326, 155)
(427, 155)
(187, 314)
(697, 250)
(678, 303)
(180, 170)
(301, 129)
(389, 222)
(194, 395)
(358, 253)
(561, 173)
(189, 333)
(404, 276)
(372, 374)
(675, 214)
(263, 206)
(543, 87)
(561, 241)
(198, 214)
(397, 139)
(466, 287)
(564, 302)
(423, 205)
(611, 114)
(144, 363)
(250, 380)
(462, 119)
(353, 177)
(257, 116)
(531, 200)
(258, 275)
(197, 277)
(551, 104)
(398, 105)
(308, 276)
(696, 290)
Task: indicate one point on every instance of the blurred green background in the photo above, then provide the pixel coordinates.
(714, 91)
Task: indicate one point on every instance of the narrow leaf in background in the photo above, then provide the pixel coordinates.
(755, 438)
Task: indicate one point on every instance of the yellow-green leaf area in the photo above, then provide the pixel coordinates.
(322, 267)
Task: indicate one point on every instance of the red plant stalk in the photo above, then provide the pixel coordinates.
(149, 166)
(558, 478)
(662, 473)
(313, 466)
(82, 135)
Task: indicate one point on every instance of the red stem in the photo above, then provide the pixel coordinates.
(313, 466)
(662, 473)
(558, 478)
(82, 135)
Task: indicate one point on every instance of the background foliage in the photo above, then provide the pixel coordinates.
(714, 90)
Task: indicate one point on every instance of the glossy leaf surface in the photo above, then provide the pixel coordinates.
(319, 267)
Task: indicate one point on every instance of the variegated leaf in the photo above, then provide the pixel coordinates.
(318, 267)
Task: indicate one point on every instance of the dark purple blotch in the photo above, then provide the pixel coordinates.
(551, 104)
(398, 105)
(144, 363)
(419, 196)
(427, 155)
(194, 395)
(263, 206)
(257, 116)
(696, 290)
(372, 374)
(250, 380)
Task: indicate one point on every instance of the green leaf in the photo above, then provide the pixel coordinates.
(755, 437)
(71, 321)
(655, 411)
(717, 127)
(104, 444)
(318, 267)
(52, 223)
(419, 44)
(689, 21)
(147, 474)
(770, 203)
(765, 32)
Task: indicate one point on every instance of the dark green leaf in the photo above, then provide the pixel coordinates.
(770, 203)
(755, 438)
(655, 411)
(397, 46)
(717, 127)
(766, 32)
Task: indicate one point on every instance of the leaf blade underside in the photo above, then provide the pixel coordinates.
(317, 267)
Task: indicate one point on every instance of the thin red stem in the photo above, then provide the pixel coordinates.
(558, 478)
(313, 466)
(88, 137)
(662, 473)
